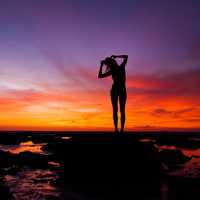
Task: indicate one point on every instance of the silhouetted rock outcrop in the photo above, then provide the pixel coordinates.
(5, 193)
(173, 158)
(7, 159)
(106, 158)
(32, 160)
(12, 138)
(185, 141)
(14, 161)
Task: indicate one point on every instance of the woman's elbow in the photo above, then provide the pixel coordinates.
(126, 58)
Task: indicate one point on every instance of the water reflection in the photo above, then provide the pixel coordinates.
(186, 151)
(66, 138)
(24, 146)
(55, 164)
(26, 143)
(146, 140)
(191, 152)
(165, 147)
(32, 184)
(191, 169)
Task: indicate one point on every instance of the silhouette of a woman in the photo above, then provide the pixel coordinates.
(118, 90)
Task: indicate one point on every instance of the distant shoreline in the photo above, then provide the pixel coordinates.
(131, 133)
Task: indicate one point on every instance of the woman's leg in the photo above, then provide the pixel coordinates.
(114, 100)
(122, 102)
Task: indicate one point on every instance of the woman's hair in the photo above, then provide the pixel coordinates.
(110, 62)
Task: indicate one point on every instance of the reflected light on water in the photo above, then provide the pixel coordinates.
(66, 138)
(191, 152)
(26, 143)
(27, 146)
(147, 140)
(185, 151)
(24, 146)
(54, 164)
(33, 184)
(190, 169)
(165, 147)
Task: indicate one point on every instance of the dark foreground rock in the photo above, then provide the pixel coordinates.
(32, 160)
(182, 141)
(106, 159)
(173, 158)
(10, 163)
(104, 167)
(5, 193)
(12, 139)
(7, 159)
(108, 191)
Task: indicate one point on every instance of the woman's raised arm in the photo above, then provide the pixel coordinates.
(101, 74)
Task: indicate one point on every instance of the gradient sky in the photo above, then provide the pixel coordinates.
(50, 52)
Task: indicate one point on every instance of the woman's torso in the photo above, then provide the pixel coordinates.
(119, 77)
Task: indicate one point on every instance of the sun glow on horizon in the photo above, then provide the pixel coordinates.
(91, 109)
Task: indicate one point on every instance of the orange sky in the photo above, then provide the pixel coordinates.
(154, 102)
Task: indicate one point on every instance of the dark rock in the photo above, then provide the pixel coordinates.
(182, 141)
(12, 139)
(109, 191)
(7, 159)
(33, 160)
(182, 188)
(43, 138)
(5, 192)
(173, 158)
(106, 158)
(13, 170)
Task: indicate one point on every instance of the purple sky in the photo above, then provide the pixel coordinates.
(156, 34)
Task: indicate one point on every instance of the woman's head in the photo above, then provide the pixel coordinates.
(110, 62)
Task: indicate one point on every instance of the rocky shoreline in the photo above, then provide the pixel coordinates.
(97, 165)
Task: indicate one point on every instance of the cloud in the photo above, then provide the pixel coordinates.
(161, 112)
(73, 75)
(193, 50)
(197, 120)
(179, 113)
(166, 84)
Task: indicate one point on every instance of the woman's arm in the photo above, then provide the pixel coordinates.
(125, 57)
(101, 74)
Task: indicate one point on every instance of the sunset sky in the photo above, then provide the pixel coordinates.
(50, 51)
